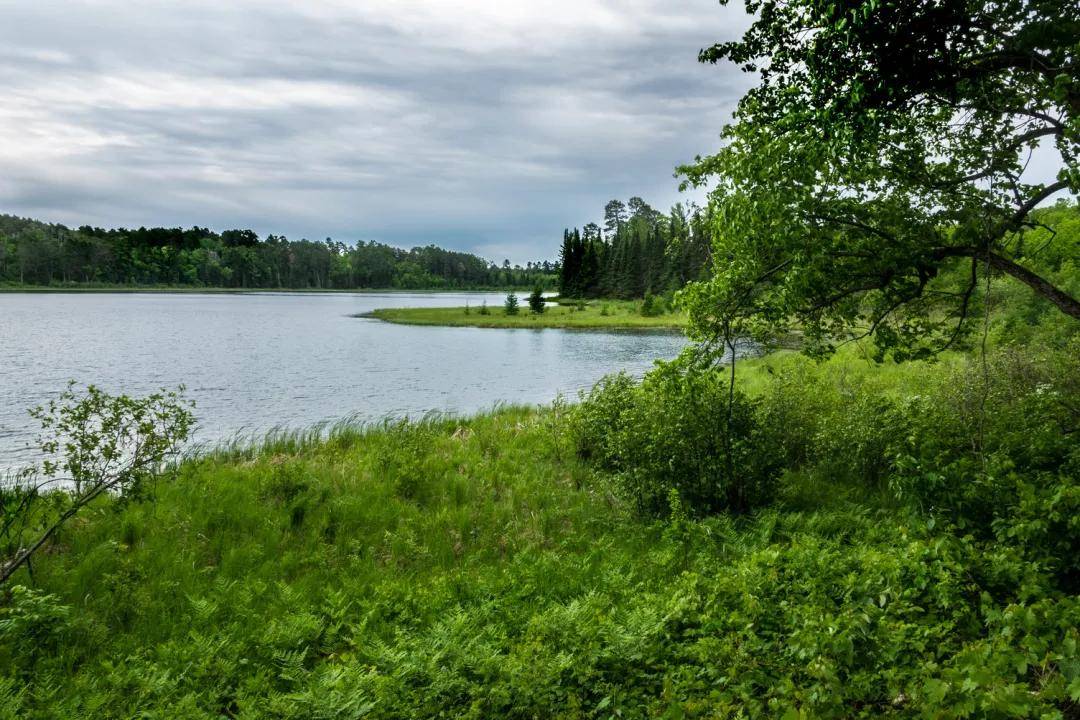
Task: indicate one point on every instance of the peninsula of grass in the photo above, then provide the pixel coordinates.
(597, 314)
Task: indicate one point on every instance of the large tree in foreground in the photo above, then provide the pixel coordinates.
(886, 143)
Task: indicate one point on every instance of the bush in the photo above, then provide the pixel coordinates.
(651, 306)
(990, 450)
(672, 433)
(994, 451)
(846, 429)
(95, 444)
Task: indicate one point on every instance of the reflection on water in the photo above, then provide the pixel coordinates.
(253, 362)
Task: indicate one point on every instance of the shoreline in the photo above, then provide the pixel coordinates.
(608, 315)
(181, 290)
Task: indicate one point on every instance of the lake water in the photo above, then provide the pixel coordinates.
(255, 362)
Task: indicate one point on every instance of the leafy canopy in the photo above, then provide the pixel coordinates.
(885, 144)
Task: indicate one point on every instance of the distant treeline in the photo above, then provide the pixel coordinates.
(36, 253)
(638, 250)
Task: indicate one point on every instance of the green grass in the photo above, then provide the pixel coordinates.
(599, 314)
(477, 567)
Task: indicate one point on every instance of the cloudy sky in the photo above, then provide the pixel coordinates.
(481, 125)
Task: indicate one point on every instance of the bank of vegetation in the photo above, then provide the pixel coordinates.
(39, 255)
(594, 314)
(862, 540)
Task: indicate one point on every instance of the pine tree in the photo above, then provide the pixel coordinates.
(614, 217)
(511, 304)
(642, 251)
(536, 300)
(566, 269)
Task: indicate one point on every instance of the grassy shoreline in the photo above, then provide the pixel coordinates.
(479, 567)
(182, 289)
(601, 315)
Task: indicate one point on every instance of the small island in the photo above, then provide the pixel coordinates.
(593, 314)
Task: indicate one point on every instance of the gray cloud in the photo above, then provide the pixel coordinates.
(476, 125)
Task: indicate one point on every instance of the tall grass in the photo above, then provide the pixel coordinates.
(476, 567)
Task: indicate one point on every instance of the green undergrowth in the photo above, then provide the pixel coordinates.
(481, 568)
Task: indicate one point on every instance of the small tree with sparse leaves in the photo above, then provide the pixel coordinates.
(94, 444)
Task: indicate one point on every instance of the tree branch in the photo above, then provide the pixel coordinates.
(1022, 212)
(1061, 299)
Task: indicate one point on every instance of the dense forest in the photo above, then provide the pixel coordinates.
(36, 253)
(637, 251)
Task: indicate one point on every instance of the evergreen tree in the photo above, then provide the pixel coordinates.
(567, 270)
(536, 300)
(643, 252)
(590, 269)
(614, 216)
(511, 304)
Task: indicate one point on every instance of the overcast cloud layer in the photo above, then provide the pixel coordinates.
(485, 126)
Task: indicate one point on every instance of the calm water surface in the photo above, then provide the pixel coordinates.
(254, 362)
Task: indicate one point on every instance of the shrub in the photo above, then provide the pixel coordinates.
(993, 450)
(674, 432)
(484, 308)
(846, 429)
(651, 306)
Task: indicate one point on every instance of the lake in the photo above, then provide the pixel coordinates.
(255, 362)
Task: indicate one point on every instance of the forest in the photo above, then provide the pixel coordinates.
(636, 251)
(33, 253)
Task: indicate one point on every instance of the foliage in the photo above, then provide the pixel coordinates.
(884, 147)
(510, 305)
(651, 306)
(536, 300)
(33, 625)
(34, 253)
(95, 444)
(643, 251)
(675, 432)
(474, 568)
